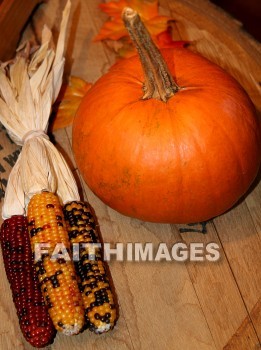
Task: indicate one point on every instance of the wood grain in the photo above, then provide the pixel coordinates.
(239, 229)
(163, 305)
(13, 16)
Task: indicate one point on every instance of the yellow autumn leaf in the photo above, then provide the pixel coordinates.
(114, 28)
(68, 102)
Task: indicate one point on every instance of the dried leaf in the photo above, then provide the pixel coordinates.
(46, 36)
(66, 188)
(25, 101)
(7, 91)
(157, 25)
(36, 164)
(57, 78)
(114, 28)
(125, 49)
(39, 53)
(113, 8)
(14, 192)
(147, 9)
(164, 40)
(15, 76)
(29, 84)
(38, 79)
(114, 34)
(9, 123)
(62, 34)
(68, 102)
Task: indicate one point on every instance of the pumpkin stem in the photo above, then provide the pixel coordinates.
(159, 82)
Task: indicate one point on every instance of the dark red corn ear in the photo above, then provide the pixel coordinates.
(34, 319)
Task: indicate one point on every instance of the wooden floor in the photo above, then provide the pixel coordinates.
(164, 305)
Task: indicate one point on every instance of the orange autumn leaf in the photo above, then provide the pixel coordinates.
(113, 8)
(114, 28)
(68, 102)
(158, 24)
(146, 8)
(123, 48)
(163, 40)
(115, 36)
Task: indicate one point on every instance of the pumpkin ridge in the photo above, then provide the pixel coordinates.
(210, 175)
(204, 156)
(178, 152)
(233, 148)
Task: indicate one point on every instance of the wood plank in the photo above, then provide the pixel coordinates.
(253, 201)
(138, 333)
(119, 338)
(193, 33)
(136, 307)
(166, 305)
(98, 18)
(133, 309)
(242, 246)
(227, 47)
(60, 139)
(243, 72)
(158, 300)
(217, 291)
(10, 337)
(241, 339)
(9, 152)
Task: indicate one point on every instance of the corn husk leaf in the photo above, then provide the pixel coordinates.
(29, 85)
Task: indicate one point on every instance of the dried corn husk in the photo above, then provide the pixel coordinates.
(29, 85)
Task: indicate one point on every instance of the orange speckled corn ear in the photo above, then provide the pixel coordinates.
(58, 278)
(98, 299)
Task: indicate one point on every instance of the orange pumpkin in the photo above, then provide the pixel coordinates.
(185, 152)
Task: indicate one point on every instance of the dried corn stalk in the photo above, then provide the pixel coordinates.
(29, 85)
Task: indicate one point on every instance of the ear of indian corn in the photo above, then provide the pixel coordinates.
(35, 322)
(57, 276)
(98, 299)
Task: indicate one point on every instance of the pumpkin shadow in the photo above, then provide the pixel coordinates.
(187, 226)
(252, 187)
(257, 179)
(254, 184)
